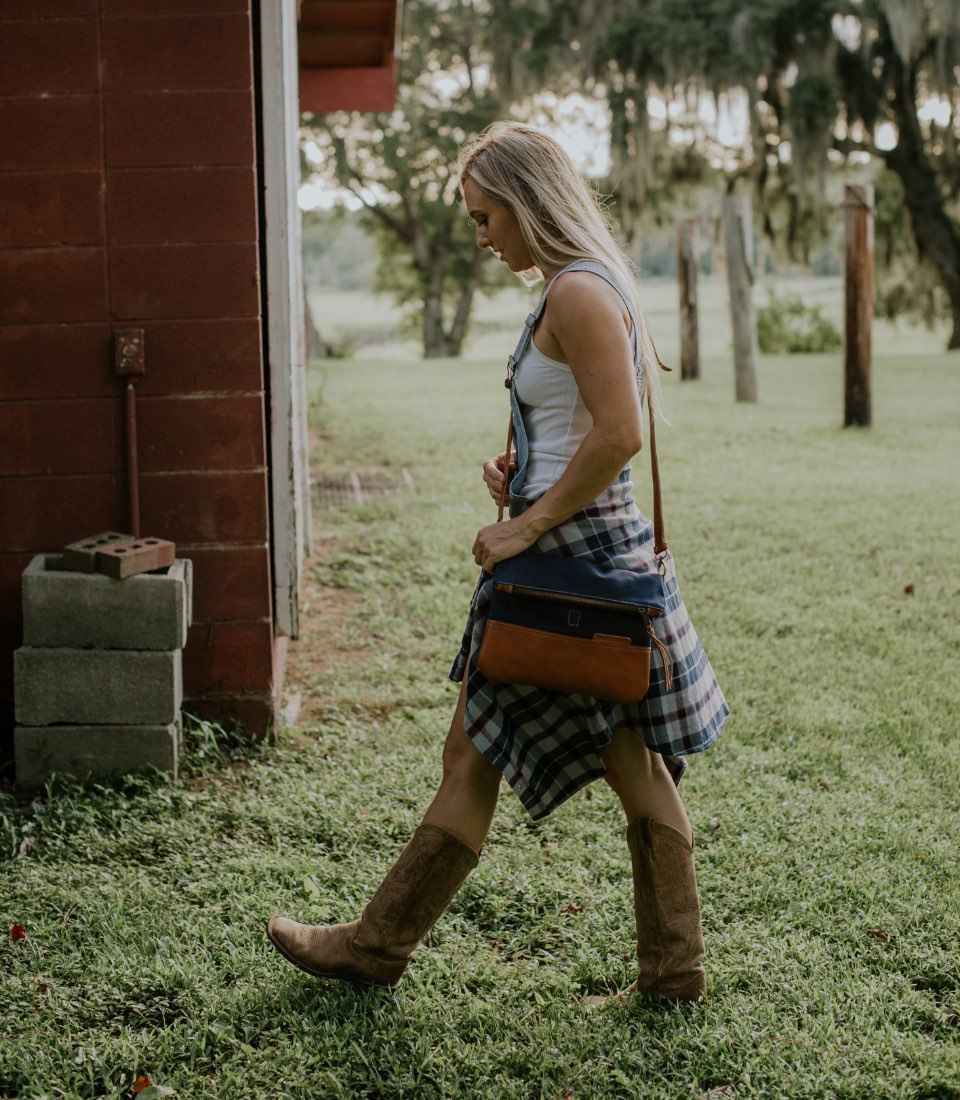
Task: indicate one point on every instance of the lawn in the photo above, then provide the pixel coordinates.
(820, 567)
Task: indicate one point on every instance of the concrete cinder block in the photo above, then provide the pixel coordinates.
(92, 751)
(111, 687)
(77, 610)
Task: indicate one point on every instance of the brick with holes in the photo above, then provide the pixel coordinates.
(81, 556)
(140, 556)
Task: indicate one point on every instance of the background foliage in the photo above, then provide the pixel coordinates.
(787, 324)
(401, 167)
(790, 98)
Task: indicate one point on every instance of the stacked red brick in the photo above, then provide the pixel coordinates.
(128, 198)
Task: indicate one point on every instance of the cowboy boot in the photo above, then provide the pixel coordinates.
(375, 949)
(669, 939)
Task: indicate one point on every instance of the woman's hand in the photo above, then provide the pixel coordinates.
(500, 541)
(493, 475)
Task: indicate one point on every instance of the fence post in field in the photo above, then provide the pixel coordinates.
(738, 251)
(858, 306)
(688, 264)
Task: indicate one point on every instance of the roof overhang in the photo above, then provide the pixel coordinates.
(348, 54)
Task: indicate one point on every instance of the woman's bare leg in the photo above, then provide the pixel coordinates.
(642, 783)
(468, 792)
(376, 949)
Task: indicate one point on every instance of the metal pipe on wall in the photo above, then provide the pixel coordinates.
(129, 363)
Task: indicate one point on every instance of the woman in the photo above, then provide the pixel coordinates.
(579, 382)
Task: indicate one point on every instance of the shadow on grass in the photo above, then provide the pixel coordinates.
(320, 1002)
(67, 803)
(210, 746)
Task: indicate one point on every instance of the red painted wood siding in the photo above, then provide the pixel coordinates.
(128, 199)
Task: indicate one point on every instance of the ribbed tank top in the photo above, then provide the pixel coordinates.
(554, 415)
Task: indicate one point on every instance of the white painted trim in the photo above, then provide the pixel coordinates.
(290, 521)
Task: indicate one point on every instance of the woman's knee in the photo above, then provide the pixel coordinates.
(627, 760)
(464, 762)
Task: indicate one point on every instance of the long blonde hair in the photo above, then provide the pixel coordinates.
(560, 215)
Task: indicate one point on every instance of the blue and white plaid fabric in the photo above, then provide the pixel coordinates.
(546, 745)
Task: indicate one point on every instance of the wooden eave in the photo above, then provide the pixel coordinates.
(348, 54)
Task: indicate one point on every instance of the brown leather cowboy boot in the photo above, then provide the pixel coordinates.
(669, 939)
(667, 909)
(375, 949)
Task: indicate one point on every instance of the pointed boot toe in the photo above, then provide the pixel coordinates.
(284, 934)
(326, 952)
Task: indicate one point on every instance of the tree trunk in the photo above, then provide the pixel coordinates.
(858, 299)
(737, 246)
(314, 344)
(688, 263)
(436, 341)
(936, 236)
(461, 318)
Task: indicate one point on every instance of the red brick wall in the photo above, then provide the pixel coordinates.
(128, 199)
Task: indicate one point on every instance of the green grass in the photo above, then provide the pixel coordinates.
(826, 818)
(363, 318)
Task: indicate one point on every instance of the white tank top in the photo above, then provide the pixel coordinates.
(554, 415)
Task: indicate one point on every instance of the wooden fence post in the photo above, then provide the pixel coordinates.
(858, 312)
(688, 265)
(738, 250)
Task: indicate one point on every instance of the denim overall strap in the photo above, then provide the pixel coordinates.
(526, 336)
(518, 434)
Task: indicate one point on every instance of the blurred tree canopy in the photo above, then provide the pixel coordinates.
(401, 167)
(866, 88)
(849, 83)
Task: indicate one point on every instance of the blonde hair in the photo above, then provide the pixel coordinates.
(560, 215)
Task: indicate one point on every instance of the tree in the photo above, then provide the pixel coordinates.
(823, 82)
(400, 167)
(907, 57)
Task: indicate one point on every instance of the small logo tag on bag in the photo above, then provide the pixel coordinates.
(573, 618)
